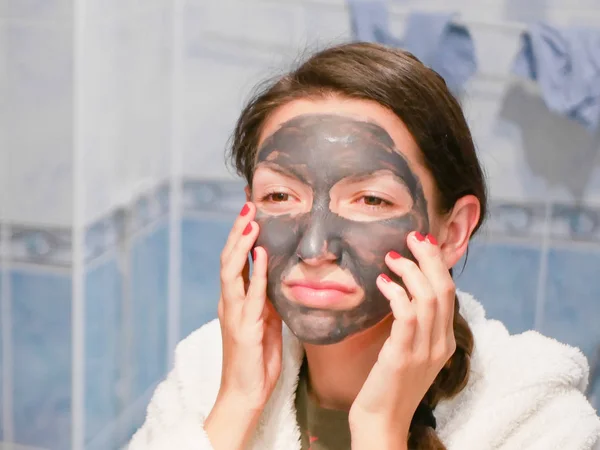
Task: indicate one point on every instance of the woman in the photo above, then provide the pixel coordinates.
(364, 189)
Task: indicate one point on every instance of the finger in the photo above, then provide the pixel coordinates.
(254, 304)
(404, 328)
(232, 269)
(246, 215)
(432, 264)
(423, 297)
(246, 275)
(272, 339)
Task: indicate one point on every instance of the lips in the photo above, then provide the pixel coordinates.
(321, 294)
(321, 285)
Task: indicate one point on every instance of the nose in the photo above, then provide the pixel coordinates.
(319, 245)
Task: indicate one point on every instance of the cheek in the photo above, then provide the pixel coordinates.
(279, 236)
(371, 242)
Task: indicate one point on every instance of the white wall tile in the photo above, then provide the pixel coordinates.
(108, 10)
(37, 10)
(213, 95)
(127, 108)
(100, 118)
(39, 122)
(147, 109)
(219, 71)
(3, 115)
(265, 22)
(326, 25)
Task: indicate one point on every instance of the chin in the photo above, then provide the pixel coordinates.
(317, 330)
(327, 326)
(319, 327)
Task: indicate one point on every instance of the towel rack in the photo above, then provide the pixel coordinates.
(286, 49)
(210, 39)
(400, 11)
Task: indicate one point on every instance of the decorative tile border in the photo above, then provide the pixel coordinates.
(510, 219)
(221, 197)
(51, 246)
(507, 218)
(525, 222)
(107, 232)
(572, 222)
(150, 207)
(111, 230)
(40, 246)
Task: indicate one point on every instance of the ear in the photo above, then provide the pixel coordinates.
(248, 193)
(458, 227)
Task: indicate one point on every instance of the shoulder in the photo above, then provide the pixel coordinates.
(499, 355)
(523, 385)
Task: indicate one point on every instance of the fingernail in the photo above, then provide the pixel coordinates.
(253, 254)
(394, 255)
(245, 210)
(431, 239)
(419, 236)
(248, 229)
(385, 278)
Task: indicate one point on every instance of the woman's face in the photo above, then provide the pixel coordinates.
(338, 184)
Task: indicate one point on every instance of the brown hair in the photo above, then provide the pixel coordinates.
(420, 98)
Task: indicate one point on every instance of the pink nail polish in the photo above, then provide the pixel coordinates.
(248, 229)
(394, 255)
(419, 236)
(253, 255)
(431, 239)
(385, 278)
(245, 210)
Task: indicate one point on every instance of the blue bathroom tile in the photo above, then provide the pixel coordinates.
(202, 243)
(127, 428)
(41, 329)
(503, 277)
(149, 295)
(571, 307)
(103, 346)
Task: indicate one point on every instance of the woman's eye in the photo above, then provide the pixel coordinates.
(372, 200)
(278, 197)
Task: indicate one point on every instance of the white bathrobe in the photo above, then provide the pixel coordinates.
(525, 391)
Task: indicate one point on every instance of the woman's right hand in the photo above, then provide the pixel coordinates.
(251, 334)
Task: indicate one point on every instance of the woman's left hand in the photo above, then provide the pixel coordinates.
(420, 343)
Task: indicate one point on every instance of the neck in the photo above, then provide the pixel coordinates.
(337, 372)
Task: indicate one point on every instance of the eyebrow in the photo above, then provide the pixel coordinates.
(373, 174)
(283, 171)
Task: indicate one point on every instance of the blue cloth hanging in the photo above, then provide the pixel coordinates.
(566, 65)
(444, 46)
(369, 20)
(439, 43)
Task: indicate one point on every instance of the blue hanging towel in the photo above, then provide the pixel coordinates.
(369, 20)
(444, 46)
(439, 43)
(566, 65)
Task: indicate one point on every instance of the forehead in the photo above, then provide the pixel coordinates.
(358, 110)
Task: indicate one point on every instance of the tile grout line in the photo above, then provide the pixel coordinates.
(78, 239)
(543, 270)
(6, 371)
(175, 193)
(123, 258)
(6, 325)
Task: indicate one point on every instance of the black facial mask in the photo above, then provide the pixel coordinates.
(320, 151)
